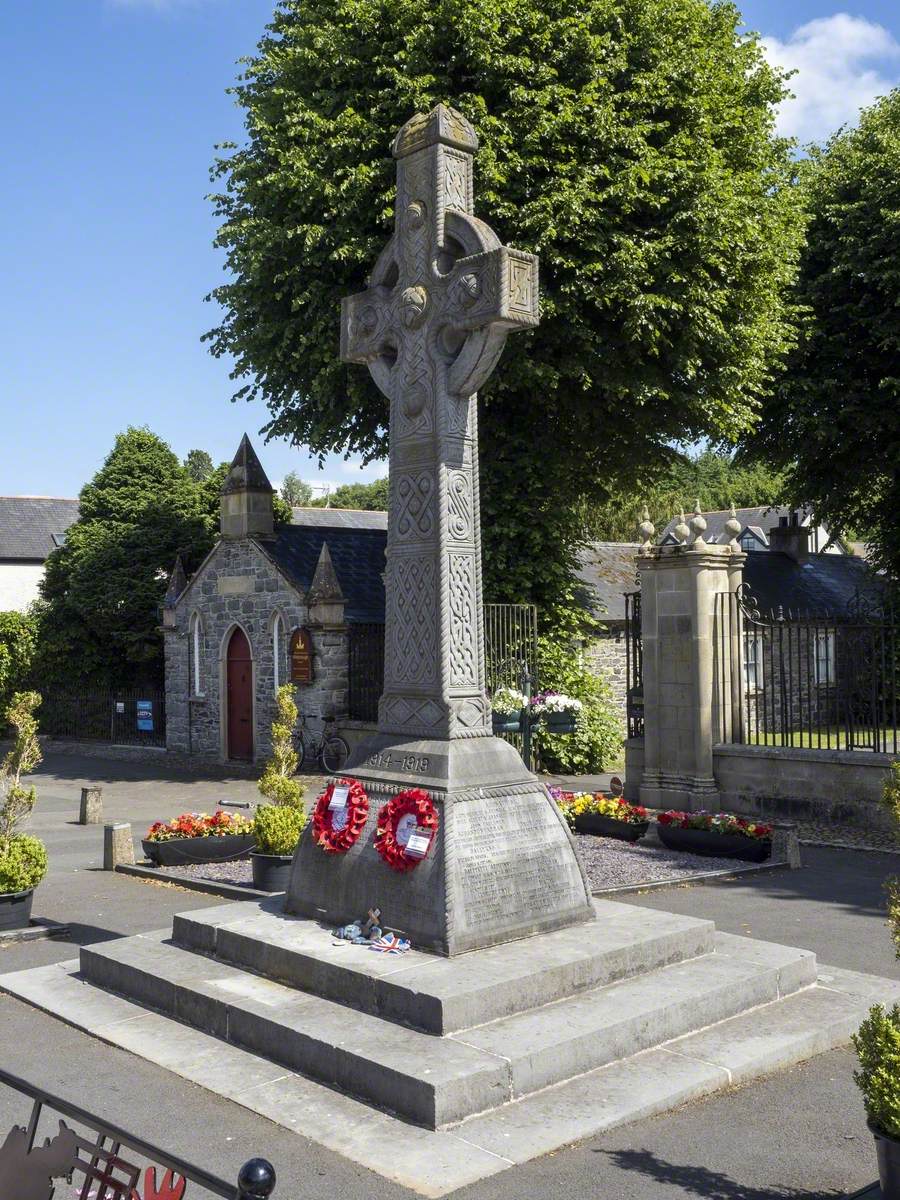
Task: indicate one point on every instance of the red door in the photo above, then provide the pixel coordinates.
(240, 697)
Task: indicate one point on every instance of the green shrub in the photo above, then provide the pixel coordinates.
(277, 782)
(878, 1046)
(23, 864)
(597, 740)
(890, 795)
(277, 828)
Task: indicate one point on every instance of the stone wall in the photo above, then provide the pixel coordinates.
(824, 786)
(239, 585)
(607, 658)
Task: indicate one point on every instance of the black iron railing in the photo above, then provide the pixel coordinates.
(820, 681)
(366, 670)
(97, 1158)
(634, 666)
(126, 716)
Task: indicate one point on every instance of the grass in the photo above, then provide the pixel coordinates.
(826, 739)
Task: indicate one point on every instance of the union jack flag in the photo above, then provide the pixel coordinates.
(389, 943)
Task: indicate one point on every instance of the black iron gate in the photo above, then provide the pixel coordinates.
(634, 666)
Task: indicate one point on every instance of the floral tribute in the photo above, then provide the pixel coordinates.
(396, 822)
(716, 823)
(197, 825)
(337, 829)
(579, 804)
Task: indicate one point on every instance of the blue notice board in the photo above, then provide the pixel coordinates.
(145, 716)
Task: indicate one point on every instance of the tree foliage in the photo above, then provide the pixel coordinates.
(835, 419)
(371, 497)
(277, 782)
(295, 491)
(198, 465)
(99, 615)
(629, 143)
(17, 642)
(714, 478)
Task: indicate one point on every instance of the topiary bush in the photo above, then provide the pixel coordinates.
(277, 828)
(23, 864)
(23, 859)
(277, 782)
(878, 1046)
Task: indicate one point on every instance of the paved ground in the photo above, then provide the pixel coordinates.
(798, 1136)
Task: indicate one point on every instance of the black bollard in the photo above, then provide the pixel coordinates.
(256, 1180)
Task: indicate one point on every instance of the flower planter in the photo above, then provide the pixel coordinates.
(179, 852)
(715, 845)
(887, 1149)
(559, 722)
(506, 723)
(625, 831)
(271, 872)
(15, 909)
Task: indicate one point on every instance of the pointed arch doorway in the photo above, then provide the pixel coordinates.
(239, 697)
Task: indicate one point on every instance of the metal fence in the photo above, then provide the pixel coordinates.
(510, 637)
(133, 717)
(102, 1161)
(634, 666)
(819, 681)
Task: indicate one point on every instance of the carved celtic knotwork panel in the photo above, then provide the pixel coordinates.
(459, 504)
(415, 506)
(411, 619)
(463, 631)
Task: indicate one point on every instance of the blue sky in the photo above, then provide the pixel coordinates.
(112, 109)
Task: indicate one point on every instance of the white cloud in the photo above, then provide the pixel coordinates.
(842, 63)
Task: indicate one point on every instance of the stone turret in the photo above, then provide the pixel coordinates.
(177, 584)
(246, 505)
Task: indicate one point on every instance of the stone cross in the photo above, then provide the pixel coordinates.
(430, 326)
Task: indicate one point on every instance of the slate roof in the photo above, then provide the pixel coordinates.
(340, 518)
(357, 555)
(28, 525)
(758, 520)
(607, 571)
(825, 584)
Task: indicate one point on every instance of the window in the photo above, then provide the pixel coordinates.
(824, 657)
(196, 654)
(749, 541)
(277, 649)
(753, 663)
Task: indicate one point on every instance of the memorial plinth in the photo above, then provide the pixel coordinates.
(431, 326)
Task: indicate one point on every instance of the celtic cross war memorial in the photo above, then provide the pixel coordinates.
(431, 325)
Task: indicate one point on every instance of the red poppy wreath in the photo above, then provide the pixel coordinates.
(404, 818)
(336, 829)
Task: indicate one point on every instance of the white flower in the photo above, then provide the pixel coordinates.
(506, 701)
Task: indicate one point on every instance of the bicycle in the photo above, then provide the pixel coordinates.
(327, 747)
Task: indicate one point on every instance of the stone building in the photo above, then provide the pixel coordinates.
(270, 604)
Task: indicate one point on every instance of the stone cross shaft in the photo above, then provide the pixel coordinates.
(430, 326)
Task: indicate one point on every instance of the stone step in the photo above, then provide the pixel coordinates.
(440, 995)
(436, 1081)
(435, 1163)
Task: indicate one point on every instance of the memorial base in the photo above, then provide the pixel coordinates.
(501, 866)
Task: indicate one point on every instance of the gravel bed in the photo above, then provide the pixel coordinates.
(238, 873)
(610, 863)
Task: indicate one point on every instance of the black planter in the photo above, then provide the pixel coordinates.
(715, 845)
(271, 872)
(559, 722)
(182, 852)
(625, 831)
(506, 723)
(887, 1149)
(15, 909)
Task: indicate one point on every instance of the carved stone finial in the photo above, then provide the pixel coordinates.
(698, 527)
(681, 530)
(733, 528)
(647, 531)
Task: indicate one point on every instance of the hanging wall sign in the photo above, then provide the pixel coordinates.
(301, 656)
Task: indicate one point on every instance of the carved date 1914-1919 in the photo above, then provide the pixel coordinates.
(400, 762)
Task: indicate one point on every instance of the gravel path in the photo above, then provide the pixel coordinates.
(609, 863)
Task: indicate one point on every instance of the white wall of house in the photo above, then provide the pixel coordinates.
(19, 584)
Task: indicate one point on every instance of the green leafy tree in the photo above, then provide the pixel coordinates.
(23, 859)
(17, 642)
(834, 422)
(295, 491)
(629, 143)
(99, 616)
(198, 465)
(372, 497)
(716, 478)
